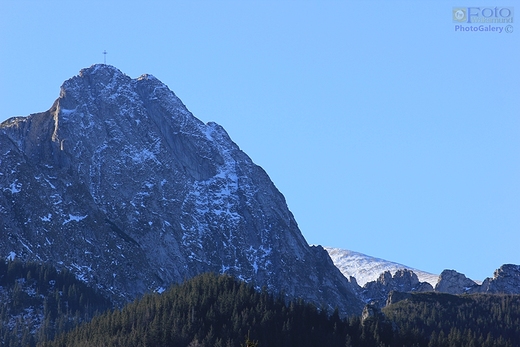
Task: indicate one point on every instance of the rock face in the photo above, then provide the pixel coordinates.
(371, 311)
(506, 280)
(121, 184)
(402, 281)
(394, 297)
(453, 282)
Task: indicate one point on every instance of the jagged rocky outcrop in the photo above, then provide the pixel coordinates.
(388, 289)
(121, 184)
(506, 280)
(402, 281)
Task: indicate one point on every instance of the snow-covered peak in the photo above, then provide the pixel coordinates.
(365, 268)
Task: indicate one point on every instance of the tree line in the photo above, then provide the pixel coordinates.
(218, 310)
(212, 310)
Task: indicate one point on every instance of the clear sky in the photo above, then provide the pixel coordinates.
(389, 132)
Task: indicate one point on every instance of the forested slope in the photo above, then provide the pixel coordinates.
(212, 310)
(435, 319)
(40, 303)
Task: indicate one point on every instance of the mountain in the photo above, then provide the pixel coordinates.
(368, 269)
(119, 183)
(378, 277)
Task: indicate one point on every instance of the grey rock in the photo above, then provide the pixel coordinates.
(121, 184)
(506, 280)
(395, 296)
(453, 282)
(371, 311)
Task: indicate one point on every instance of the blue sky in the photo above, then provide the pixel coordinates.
(388, 132)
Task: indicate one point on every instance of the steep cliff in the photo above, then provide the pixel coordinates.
(121, 184)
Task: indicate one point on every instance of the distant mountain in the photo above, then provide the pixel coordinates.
(378, 277)
(119, 183)
(368, 269)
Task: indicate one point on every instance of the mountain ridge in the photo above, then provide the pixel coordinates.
(379, 277)
(366, 268)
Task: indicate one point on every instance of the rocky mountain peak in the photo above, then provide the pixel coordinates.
(453, 282)
(506, 279)
(121, 184)
(507, 270)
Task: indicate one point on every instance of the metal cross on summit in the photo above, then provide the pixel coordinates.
(104, 57)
